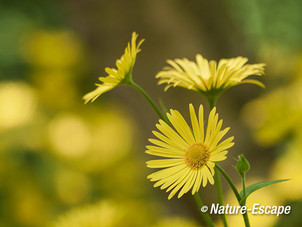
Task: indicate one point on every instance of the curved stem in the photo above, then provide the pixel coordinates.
(144, 93)
(205, 216)
(229, 180)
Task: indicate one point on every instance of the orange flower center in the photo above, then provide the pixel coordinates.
(197, 155)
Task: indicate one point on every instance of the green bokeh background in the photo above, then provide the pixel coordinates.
(58, 155)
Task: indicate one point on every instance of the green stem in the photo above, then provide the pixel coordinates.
(229, 180)
(152, 103)
(212, 102)
(220, 196)
(243, 188)
(200, 204)
(246, 217)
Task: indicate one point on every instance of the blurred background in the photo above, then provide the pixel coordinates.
(63, 163)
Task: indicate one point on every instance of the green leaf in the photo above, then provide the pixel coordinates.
(250, 189)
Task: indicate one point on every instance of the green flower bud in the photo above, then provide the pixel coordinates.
(242, 165)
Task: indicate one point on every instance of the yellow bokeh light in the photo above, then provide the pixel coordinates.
(275, 115)
(17, 104)
(52, 49)
(112, 137)
(91, 142)
(69, 135)
(288, 166)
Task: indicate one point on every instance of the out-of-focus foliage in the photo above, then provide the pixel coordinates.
(54, 153)
(176, 222)
(271, 21)
(108, 214)
(62, 161)
(276, 115)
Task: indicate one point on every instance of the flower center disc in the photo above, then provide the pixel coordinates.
(196, 155)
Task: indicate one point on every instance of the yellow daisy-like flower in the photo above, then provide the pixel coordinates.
(120, 75)
(190, 155)
(209, 78)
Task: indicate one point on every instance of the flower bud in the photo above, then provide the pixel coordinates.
(242, 165)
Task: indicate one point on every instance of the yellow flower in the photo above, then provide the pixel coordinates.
(209, 78)
(190, 155)
(120, 75)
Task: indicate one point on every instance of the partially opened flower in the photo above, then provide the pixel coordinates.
(120, 75)
(189, 154)
(209, 78)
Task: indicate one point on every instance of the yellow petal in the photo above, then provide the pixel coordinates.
(158, 151)
(219, 156)
(188, 185)
(93, 95)
(181, 126)
(195, 125)
(164, 163)
(166, 172)
(171, 134)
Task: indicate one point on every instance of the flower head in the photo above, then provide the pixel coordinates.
(242, 165)
(209, 78)
(189, 154)
(121, 74)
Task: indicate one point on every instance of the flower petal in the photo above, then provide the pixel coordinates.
(181, 126)
(195, 125)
